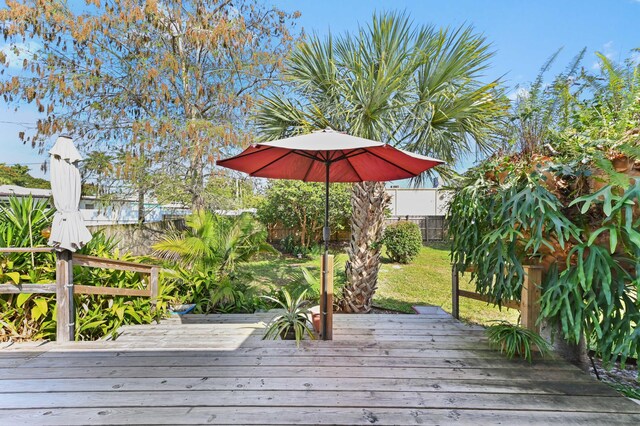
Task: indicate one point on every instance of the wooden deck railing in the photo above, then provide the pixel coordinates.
(529, 305)
(64, 287)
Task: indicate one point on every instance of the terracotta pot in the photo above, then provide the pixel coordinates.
(621, 163)
(288, 335)
(315, 319)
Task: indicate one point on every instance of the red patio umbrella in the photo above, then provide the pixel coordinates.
(328, 156)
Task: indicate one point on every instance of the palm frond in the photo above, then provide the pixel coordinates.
(411, 86)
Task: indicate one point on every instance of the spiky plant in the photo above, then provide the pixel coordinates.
(214, 242)
(294, 321)
(516, 341)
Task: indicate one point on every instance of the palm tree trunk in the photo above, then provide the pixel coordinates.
(369, 201)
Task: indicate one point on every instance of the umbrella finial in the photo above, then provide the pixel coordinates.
(65, 149)
(325, 130)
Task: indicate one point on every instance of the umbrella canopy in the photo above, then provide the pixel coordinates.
(68, 231)
(351, 159)
(328, 156)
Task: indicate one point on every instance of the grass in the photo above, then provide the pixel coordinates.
(425, 281)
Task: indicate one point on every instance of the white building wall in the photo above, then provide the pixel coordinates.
(418, 202)
(122, 213)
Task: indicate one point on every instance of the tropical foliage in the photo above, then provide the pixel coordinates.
(204, 262)
(565, 198)
(213, 242)
(22, 223)
(32, 316)
(516, 341)
(415, 87)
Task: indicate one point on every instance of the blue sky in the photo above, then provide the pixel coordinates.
(523, 34)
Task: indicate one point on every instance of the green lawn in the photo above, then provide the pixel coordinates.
(425, 281)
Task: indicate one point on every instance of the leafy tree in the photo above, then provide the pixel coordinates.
(225, 192)
(415, 87)
(19, 175)
(167, 83)
(300, 206)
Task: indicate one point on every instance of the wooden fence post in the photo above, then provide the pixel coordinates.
(530, 298)
(455, 297)
(153, 286)
(65, 314)
(327, 333)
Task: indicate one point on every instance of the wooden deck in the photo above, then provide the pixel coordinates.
(380, 369)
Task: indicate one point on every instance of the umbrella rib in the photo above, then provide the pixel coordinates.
(270, 163)
(304, 179)
(348, 160)
(346, 156)
(393, 164)
(310, 156)
(245, 154)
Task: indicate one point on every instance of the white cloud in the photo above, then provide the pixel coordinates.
(16, 53)
(608, 50)
(520, 93)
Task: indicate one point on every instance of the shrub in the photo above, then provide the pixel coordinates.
(403, 241)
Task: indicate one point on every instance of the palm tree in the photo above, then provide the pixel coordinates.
(417, 88)
(213, 242)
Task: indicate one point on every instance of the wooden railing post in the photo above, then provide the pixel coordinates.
(65, 317)
(327, 333)
(153, 286)
(455, 296)
(530, 298)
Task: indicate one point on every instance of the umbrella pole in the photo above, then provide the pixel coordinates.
(325, 236)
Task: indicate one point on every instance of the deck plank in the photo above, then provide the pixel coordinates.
(306, 416)
(578, 387)
(315, 398)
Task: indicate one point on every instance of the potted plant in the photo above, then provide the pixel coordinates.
(515, 340)
(294, 322)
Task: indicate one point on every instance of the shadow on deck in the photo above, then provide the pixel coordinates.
(379, 369)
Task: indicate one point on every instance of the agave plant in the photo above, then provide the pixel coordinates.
(294, 322)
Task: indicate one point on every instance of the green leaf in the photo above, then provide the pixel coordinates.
(15, 276)
(39, 309)
(595, 234)
(120, 312)
(613, 239)
(42, 304)
(22, 298)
